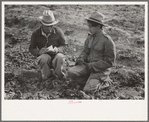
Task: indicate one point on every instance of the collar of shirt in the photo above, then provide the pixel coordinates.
(93, 38)
(99, 33)
(95, 35)
(44, 34)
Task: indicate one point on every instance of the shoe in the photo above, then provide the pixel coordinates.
(85, 96)
(102, 86)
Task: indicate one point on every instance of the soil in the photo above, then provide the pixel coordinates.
(125, 24)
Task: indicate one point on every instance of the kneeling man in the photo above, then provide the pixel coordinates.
(93, 66)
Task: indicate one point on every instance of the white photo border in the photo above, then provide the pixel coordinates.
(58, 110)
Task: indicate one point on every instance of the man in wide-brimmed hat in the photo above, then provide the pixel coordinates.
(46, 44)
(93, 66)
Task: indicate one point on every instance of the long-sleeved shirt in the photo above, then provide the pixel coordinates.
(99, 50)
(40, 40)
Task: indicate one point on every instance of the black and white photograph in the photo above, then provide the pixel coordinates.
(74, 53)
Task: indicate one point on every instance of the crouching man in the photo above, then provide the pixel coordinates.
(46, 44)
(93, 66)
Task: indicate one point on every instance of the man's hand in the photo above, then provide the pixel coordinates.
(56, 50)
(42, 51)
(80, 61)
(52, 50)
(49, 50)
(61, 49)
(89, 66)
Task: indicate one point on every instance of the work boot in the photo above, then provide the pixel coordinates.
(104, 84)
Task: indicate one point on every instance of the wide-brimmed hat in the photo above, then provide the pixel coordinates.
(97, 17)
(48, 18)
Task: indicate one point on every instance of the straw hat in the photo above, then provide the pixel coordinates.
(48, 18)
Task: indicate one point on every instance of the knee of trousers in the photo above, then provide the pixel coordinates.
(79, 71)
(44, 58)
(59, 57)
(87, 89)
(71, 73)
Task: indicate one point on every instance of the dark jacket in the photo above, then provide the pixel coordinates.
(99, 50)
(39, 41)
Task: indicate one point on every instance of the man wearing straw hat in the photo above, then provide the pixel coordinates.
(46, 44)
(93, 66)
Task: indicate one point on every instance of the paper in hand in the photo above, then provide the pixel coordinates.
(50, 48)
(55, 48)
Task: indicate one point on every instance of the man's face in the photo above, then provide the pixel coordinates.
(92, 29)
(47, 29)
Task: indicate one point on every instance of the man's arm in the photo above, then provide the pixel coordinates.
(109, 58)
(33, 48)
(84, 54)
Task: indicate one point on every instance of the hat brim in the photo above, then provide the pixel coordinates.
(96, 21)
(49, 24)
